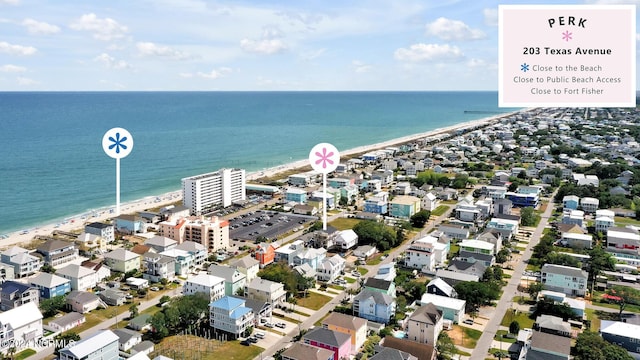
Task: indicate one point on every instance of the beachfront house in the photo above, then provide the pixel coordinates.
(57, 252)
(105, 231)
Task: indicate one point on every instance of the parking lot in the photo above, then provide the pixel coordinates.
(270, 224)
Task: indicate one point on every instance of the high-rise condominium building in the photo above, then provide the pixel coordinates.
(207, 191)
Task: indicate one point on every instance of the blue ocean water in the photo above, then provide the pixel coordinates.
(52, 164)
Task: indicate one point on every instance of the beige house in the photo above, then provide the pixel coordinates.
(425, 324)
(122, 260)
(352, 325)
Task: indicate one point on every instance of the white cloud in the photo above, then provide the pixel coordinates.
(360, 67)
(10, 2)
(12, 68)
(105, 29)
(39, 27)
(111, 62)
(490, 16)
(265, 46)
(216, 74)
(23, 81)
(16, 49)
(428, 52)
(152, 49)
(447, 29)
(613, 2)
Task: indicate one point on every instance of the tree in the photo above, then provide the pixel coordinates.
(65, 339)
(446, 347)
(534, 289)
(47, 268)
(164, 299)
(591, 346)
(159, 325)
(528, 216)
(477, 294)
(514, 327)
(624, 295)
(599, 260)
(50, 307)
(420, 218)
(133, 310)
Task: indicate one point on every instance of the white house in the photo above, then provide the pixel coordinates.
(623, 239)
(330, 268)
(429, 202)
(452, 309)
(20, 325)
(589, 204)
(100, 346)
(420, 255)
(210, 285)
(578, 241)
(81, 278)
(346, 239)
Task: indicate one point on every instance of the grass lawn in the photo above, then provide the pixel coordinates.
(291, 320)
(440, 210)
(314, 301)
(533, 268)
(471, 337)
(626, 221)
(362, 271)
(337, 287)
(349, 280)
(192, 347)
(24, 354)
(344, 223)
(375, 259)
(595, 320)
(522, 319)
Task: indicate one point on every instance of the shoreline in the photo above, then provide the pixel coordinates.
(77, 221)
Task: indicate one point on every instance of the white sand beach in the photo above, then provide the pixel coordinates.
(77, 222)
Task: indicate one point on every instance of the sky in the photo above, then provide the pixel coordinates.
(265, 45)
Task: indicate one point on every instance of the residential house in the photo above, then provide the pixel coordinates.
(113, 297)
(377, 203)
(184, 260)
(425, 324)
(502, 207)
(157, 267)
(296, 195)
(265, 254)
(507, 227)
(485, 259)
(492, 236)
(57, 252)
(566, 279)
(266, 290)
(129, 224)
(14, 294)
(622, 334)
(391, 354)
(386, 272)
(573, 217)
(330, 268)
(234, 280)
(552, 325)
(287, 252)
(127, 339)
(301, 351)
(451, 309)
(437, 286)
(589, 204)
(6, 272)
(91, 244)
(50, 285)
(102, 271)
(103, 345)
(337, 342)
(604, 220)
(197, 251)
(346, 239)
(105, 231)
(66, 322)
(230, 315)
(311, 256)
(454, 231)
(141, 249)
(429, 202)
(623, 240)
(262, 311)
(478, 246)
(81, 278)
(420, 255)
(374, 306)
(20, 326)
(353, 326)
(24, 264)
(577, 241)
(577, 306)
(140, 322)
(473, 268)
(404, 207)
(161, 243)
(122, 260)
(546, 346)
(364, 251)
(248, 266)
(83, 301)
(212, 286)
(418, 350)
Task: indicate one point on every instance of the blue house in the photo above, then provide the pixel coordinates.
(51, 285)
(523, 200)
(375, 206)
(129, 224)
(570, 202)
(375, 306)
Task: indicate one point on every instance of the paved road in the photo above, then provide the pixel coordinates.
(484, 343)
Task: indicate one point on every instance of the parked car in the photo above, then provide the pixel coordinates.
(281, 325)
(269, 325)
(468, 321)
(154, 288)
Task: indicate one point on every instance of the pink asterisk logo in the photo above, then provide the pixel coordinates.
(324, 158)
(566, 36)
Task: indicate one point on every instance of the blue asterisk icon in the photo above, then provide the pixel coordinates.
(118, 143)
(524, 67)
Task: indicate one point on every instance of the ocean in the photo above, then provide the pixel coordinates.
(53, 165)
